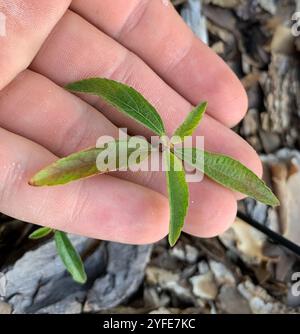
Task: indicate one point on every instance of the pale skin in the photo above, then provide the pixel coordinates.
(144, 44)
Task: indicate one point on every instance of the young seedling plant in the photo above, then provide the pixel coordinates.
(220, 168)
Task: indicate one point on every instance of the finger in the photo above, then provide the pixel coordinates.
(103, 207)
(183, 61)
(27, 24)
(76, 50)
(63, 123)
(34, 107)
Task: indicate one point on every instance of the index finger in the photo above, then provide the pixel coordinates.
(154, 31)
(20, 39)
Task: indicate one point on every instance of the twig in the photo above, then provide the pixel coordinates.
(277, 238)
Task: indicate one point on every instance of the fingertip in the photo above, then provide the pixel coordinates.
(230, 103)
(239, 104)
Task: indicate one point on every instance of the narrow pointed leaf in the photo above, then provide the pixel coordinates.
(231, 174)
(70, 258)
(178, 195)
(124, 98)
(40, 233)
(191, 122)
(84, 163)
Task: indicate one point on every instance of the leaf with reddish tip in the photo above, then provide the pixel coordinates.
(87, 163)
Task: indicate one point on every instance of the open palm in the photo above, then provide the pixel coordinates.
(144, 44)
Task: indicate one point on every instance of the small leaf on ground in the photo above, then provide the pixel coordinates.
(231, 174)
(191, 122)
(86, 163)
(70, 257)
(178, 195)
(40, 233)
(124, 98)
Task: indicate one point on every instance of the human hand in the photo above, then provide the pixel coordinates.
(144, 44)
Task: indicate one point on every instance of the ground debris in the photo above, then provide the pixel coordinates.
(262, 303)
(38, 282)
(204, 286)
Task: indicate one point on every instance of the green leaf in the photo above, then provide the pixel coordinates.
(84, 163)
(178, 195)
(229, 173)
(40, 233)
(124, 98)
(70, 257)
(191, 122)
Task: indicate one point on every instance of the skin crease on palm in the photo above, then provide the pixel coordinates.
(144, 44)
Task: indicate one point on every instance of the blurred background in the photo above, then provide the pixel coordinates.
(241, 271)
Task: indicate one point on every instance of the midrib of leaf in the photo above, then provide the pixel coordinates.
(158, 119)
(139, 112)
